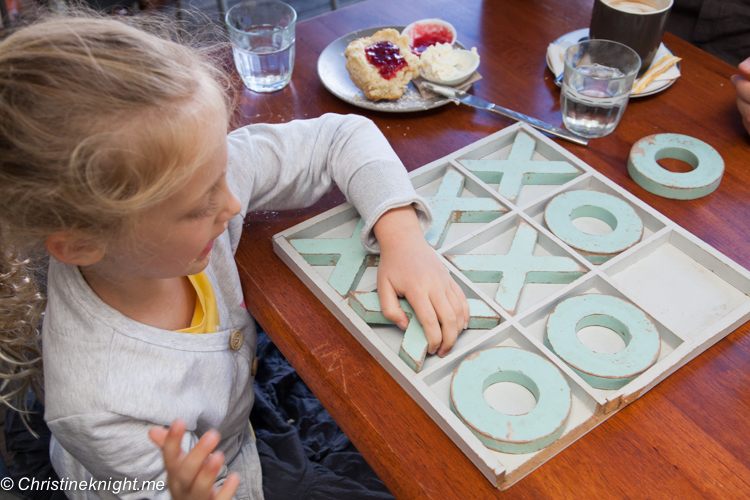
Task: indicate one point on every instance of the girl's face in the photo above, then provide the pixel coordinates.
(174, 238)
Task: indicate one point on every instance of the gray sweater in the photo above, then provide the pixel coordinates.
(109, 379)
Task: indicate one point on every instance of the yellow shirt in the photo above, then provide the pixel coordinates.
(206, 314)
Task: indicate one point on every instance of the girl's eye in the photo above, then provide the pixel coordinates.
(212, 204)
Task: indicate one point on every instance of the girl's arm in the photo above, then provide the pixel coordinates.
(294, 164)
(291, 165)
(191, 476)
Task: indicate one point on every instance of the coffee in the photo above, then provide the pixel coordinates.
(639, 24)
(633, 6)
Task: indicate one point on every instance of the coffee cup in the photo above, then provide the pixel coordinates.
(639, 24)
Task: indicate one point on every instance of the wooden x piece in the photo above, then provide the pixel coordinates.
(517, 268)
(347, 255)
(414, 346)
(448, 206)
(520, 169)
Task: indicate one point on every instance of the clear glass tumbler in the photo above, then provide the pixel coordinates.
(598, 78)
(262, 35)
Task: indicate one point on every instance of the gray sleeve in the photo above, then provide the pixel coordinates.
(291, 165)
(114, 446)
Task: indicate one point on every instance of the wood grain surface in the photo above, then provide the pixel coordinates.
(688, 437)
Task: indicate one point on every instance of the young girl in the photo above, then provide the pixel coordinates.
(114, 157)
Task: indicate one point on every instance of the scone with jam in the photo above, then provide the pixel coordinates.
(382, 65)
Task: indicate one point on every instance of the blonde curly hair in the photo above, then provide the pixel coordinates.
(91, 111)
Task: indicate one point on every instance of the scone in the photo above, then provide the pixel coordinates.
(382, 65)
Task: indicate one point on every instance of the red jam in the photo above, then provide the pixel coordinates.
(424, 35)
(387, 58)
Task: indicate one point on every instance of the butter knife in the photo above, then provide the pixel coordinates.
(474, 101)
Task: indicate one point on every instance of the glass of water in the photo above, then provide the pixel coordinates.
(262, 35)
(598, 78)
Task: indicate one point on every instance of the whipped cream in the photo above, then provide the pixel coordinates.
(441, 63)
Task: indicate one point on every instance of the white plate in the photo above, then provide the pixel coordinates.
(335, 78)
(576, 36)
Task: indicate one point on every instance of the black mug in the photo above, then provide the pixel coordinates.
(639, 24)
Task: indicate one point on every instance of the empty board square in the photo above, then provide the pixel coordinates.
(678, 290)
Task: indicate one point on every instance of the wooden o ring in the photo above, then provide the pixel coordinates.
(603, 370)
(708, 167)
(511, 433)
(626, 224)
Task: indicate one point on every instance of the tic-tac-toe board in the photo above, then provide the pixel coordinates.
(582, 298)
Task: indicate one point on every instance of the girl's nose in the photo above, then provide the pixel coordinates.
(232, 205)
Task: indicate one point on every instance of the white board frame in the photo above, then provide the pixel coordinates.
(592, 406)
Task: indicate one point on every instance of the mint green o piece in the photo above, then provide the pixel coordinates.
(603, 370)
(346, 254)
(626, 224)
(520, 169)
(514, 434)
(414, 346)
(708, 166)
(447, 207)
(517, 268)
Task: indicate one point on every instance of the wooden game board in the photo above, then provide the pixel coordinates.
(694, 294)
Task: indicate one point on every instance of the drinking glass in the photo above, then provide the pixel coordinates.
(597, 81)
(262, 35)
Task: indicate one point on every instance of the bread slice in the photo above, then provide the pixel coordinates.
(388, 70)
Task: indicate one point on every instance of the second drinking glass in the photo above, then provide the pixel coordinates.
(598, 78)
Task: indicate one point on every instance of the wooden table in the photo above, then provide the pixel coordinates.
(688, 437)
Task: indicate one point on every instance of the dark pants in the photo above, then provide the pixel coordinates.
(303, 452)
(30, 454)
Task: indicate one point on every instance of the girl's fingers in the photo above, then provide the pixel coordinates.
(742, 86)
(157, 435)
(427, 316)
(464, 302)
(458, 309)
(203, 484)
(449, 322)
(172, 445)
(743, 106)
(389, 304)
(229, 487)
(194, 460)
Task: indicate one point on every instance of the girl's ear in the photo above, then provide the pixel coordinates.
(74, 248)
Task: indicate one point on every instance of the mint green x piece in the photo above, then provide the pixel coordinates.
(520, 169)
(347, 255)
(517, 268)
(448, 206)
(414, 346)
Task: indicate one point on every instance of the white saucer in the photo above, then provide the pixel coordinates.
(576, 36)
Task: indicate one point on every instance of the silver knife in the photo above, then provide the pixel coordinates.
(471, 100)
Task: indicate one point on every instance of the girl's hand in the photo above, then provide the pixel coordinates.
(742, 86)
(191, 476)
(410, 268)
